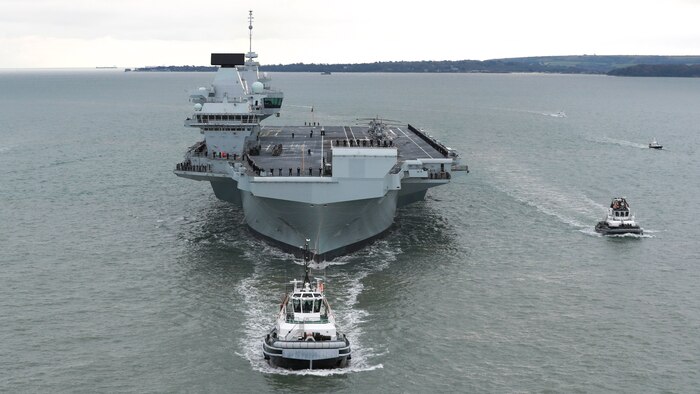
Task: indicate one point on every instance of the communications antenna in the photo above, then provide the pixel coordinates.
(250, 28)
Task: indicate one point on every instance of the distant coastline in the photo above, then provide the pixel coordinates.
(659, 70)
(667, 66)
(173, 69)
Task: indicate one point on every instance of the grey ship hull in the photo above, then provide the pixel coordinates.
(226, 189)
(333, 229)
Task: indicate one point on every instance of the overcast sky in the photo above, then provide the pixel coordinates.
(132, 33)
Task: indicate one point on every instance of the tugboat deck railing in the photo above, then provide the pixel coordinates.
(322, 320)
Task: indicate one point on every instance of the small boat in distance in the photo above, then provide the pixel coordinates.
(304, 335)
(655, 145)
(618, 220)
(326, 73)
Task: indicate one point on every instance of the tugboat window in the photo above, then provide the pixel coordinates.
(317, 306)
(297, 306)
(307, 306)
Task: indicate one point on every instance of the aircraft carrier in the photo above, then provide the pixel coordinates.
(339, 186)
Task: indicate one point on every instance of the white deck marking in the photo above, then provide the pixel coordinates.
(353, 134)
(414, 142)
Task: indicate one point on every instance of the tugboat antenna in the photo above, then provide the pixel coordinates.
(307, 258)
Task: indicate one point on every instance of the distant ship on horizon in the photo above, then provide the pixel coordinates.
(338, 186)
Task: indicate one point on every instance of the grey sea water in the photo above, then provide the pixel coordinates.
(117, 276)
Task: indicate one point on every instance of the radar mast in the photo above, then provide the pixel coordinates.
(250, 30)
(250, 55)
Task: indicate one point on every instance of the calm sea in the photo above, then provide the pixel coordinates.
(118, 276)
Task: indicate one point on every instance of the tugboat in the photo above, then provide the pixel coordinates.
(655, 145)
(618, 220)
(305, 335)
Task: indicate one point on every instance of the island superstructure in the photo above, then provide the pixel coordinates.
(338, 186)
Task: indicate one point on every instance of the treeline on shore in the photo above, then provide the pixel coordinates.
(672, 66)
(427, 66)
(658, 70)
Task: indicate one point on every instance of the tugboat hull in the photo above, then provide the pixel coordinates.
(604, 229)
(306, 354)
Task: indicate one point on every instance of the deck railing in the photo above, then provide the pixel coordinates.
(437, 146)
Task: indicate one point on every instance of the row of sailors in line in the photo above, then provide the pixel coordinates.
(439, 175)
(216, 155)
(259, 171)
(364, 143)
(352, 143)
(223, 155)
(188, 166)
(311, 133)
(234, 156)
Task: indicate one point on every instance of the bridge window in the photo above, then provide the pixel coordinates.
(307, 306)
(272, 102)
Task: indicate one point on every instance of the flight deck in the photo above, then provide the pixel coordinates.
(303, 150)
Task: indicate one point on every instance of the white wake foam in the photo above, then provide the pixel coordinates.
(625, 143)
(343, 286)
(567, 206)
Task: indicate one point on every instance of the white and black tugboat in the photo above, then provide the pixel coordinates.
(618, 220)
(305, 335)
(655, 145)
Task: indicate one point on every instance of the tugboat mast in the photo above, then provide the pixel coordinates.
(307, 258)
